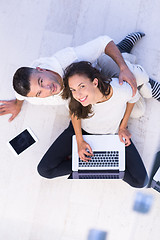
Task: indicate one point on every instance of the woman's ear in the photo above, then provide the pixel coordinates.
(95, 82)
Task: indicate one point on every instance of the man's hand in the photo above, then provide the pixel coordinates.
(126, 75)
(82, 151)
(10, 107)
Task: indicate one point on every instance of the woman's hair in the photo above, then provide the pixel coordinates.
(83, 69)
(21, 80)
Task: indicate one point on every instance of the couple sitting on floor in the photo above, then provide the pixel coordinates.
(91, 94)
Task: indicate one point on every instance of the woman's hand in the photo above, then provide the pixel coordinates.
(84, 151)
(124, 136)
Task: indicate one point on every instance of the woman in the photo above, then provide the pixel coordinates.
(93, 103)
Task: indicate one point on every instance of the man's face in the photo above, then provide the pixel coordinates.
(44, 83)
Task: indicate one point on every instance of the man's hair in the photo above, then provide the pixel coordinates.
(21, 80)
(83, 68)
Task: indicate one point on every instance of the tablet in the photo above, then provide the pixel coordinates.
(22, 141)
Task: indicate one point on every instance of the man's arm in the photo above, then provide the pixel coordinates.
(125, 74)
(123, 131)
(92, 50)
(12, 107)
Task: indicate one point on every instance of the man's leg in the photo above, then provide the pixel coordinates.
(55, 162)
(129, 41)
(155, 89)
(108, 67)
(135, 173)
(126, 45)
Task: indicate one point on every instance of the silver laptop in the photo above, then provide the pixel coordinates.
(156, 181)
(108, 161)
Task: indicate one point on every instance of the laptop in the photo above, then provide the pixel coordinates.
(155, 184)
(108, 161)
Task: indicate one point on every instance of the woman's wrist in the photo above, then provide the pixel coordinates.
(123, 127)
(79, 139)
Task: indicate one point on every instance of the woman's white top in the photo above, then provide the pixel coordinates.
(108, 115)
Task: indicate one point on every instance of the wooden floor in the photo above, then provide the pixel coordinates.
(33, 208)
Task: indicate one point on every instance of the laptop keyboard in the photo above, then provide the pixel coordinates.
(102, 159)
(157, 186)
(94, 176)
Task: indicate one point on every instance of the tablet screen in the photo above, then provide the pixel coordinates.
(22, 141)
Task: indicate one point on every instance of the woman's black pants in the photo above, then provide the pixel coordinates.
(56, 162)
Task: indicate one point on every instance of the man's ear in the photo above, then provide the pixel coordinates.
(95, 82)
(40, 69)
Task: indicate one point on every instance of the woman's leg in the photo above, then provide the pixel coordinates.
(55, 162)
(135, 173)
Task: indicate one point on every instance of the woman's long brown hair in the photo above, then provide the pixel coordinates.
(83, 69)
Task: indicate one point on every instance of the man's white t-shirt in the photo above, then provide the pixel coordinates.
(89, 51)
(108, 115)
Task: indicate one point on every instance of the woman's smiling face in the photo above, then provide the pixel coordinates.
(83, 89)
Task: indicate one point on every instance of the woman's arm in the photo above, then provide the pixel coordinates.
(123, 131)
(81, 144)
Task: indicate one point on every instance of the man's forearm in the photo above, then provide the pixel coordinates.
(125, 74)
(112, 51)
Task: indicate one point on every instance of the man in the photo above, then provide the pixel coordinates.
(43, 83)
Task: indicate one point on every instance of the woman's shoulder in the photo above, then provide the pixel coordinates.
(121, 91)
(115, 84)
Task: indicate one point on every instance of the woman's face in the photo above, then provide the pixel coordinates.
(83, 90)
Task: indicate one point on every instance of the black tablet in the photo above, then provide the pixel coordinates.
(22, 141)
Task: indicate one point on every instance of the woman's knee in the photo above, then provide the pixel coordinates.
(144, 181)
(44, 172)
(138, 182)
